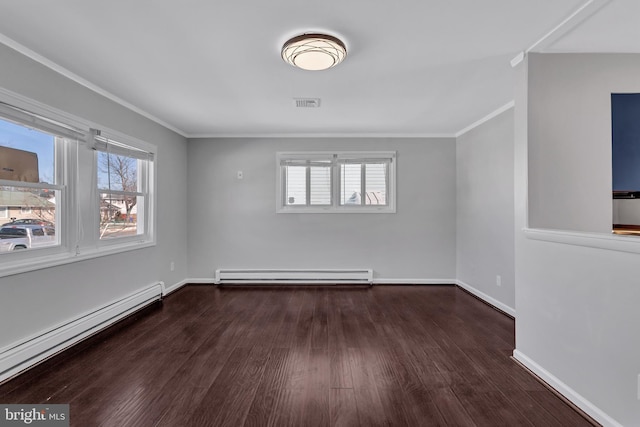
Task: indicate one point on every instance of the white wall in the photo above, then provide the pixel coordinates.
(484, 210)
(572, 126)
(233, 223)
(626, 211)
(578, 314)
(33, 302)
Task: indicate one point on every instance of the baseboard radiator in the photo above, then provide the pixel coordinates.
(32, 350)
(298, 277)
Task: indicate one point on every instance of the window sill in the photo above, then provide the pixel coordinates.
(333, 210)
(48, 261)
(613, 242)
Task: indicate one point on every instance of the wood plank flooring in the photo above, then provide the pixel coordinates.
(299, 356)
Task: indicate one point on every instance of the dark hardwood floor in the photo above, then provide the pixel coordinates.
(299, 356)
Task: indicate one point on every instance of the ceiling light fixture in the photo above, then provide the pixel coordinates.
(314, 51)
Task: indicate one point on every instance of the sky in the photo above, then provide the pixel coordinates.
(22, 138)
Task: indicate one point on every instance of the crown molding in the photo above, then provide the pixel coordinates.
(578, 16)
(321, 135)
(485, 119)
(83, 82)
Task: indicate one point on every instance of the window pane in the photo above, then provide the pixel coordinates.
(116, 172)
(296, 191)
(376, 182)
(31, 218)
(119, 215)
(320, 185)
(350, 177)
(26, 155)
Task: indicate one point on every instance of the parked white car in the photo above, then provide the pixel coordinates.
(26, 236)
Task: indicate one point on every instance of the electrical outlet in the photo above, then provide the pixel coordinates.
(172, 266)
(498, 280)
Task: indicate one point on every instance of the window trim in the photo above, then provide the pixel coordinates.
(76, 244)
(145, 155)
(63, 168)
(337, 158)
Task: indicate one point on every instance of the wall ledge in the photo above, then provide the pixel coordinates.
(612, 242)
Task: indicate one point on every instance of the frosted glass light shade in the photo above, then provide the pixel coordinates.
(314, 51)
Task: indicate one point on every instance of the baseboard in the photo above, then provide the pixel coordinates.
(486, 298)
(202, 281)
(32, 350)
(388, 281)
(376, 281)
(166, 290)
(567, 392)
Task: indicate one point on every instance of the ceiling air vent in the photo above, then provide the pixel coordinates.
(306, 102)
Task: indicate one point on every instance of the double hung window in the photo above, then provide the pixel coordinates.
(318, 182)
(123, 173)
(34, 185)
(67, 191)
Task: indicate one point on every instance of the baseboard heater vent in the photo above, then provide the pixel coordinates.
(301, 277)
(32, 350)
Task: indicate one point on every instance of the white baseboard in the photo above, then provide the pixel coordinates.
(376, 281)
(32, 350)
(166, 290)
(489, 299)
(570, 394)
(202, 281)
(387, 281)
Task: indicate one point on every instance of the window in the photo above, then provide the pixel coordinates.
(364, 182)
(33, 188)
(69, 192)
(307, 182)
(122, 185)
(318, 182)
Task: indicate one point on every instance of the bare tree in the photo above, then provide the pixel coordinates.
(121, 173)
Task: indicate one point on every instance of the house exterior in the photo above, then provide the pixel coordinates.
(114, 207)
(25, 205)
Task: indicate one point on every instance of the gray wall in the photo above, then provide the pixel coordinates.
(577, 305)
(484, 209)
(35, 301)
(233, 223)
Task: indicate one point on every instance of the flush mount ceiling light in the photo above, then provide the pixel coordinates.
(314, 51)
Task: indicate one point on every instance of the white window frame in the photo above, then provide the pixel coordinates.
(145, 155)
(22, 115)
(336, 158)
(76, 182)
(4, 212)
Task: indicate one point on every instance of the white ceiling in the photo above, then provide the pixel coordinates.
(213, 68)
